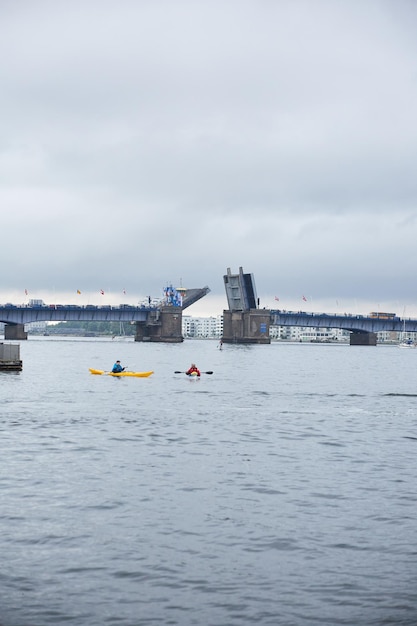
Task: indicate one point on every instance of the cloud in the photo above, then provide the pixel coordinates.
(151, 141)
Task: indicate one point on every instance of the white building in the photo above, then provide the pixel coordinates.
(307, 334)
(37, 327)
(202, 327)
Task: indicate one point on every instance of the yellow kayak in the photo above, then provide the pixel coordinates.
(136, 374)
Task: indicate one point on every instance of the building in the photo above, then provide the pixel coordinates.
(306, 334)
(202, 327)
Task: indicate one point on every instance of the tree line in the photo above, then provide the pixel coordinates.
(99, 328)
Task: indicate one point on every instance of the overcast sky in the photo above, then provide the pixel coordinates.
(146, 142)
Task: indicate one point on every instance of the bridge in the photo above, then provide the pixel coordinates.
(373, 323)
(159, 322)
(245, 322)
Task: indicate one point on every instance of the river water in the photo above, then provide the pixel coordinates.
(281, 489)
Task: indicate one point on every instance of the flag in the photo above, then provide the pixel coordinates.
(276, 298)
(79, 292)
(102, 292)
(305, 299)
(26, 291)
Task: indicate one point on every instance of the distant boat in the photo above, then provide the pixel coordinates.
(406, 342)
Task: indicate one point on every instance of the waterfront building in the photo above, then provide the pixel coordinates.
(202, 327)
(36, 327)
(306, 334)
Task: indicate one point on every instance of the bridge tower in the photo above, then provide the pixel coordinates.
(244, 322)
(164, 324)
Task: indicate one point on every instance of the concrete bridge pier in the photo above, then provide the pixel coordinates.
(246, 326)
(163, 325)
(363, 339)
(15, 332)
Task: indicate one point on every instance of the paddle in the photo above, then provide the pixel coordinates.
(186, 372)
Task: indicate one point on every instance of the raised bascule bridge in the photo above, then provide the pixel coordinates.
(161, 322)
(244, 322)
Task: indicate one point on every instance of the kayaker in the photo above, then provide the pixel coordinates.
(192, 369)
(117, 368)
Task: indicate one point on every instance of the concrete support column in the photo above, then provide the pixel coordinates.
(171, 324)
(246, 326)
(15, 332)
(164, 325)
(142, 333)
(363, 339)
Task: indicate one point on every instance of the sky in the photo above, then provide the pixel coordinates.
(153, 142)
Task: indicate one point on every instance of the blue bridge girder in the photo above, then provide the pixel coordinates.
(352, 323)
(13, 314)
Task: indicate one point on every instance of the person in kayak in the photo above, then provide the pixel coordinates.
(192, 369)
(117, 368)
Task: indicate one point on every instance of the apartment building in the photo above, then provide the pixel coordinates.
(202, 327)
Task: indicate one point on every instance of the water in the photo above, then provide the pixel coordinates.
(279, 490)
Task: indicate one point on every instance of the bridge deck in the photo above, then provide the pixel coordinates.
(353, 323)
(12, 314)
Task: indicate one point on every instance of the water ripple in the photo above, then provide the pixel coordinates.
(281, 490)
